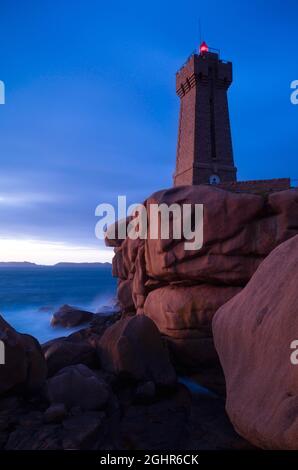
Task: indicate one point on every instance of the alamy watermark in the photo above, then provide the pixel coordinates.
(165, 222)
(2, 92)
(294, 94)
(2, 353)
(294, 355)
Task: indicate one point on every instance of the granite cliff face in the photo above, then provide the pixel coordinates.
(180, 289)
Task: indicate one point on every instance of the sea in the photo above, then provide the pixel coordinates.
(30, 295)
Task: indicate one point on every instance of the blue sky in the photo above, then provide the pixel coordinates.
(91, 110)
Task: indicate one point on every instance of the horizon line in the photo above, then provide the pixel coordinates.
(55, 264)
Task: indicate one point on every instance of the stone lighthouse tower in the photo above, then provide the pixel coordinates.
(204, 150)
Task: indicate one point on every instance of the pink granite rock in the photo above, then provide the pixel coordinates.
(133, 348)
(124, 295)
(253, 333)
(239, 231)
(25, 368)
(184, 315)
(68, 316)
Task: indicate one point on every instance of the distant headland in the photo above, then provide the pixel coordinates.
(27, 264)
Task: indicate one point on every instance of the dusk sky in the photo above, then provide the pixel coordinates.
(91, 111)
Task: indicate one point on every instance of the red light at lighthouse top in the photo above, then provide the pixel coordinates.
(203, 48)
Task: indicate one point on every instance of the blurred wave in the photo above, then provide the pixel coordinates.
(29, 296)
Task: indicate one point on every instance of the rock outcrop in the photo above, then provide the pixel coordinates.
(25, 367)
(78, 386)
(253, 334)
(184, 315)
(79, 347)
(132, 348)
(63, 352)
(68, 316)
(90, 408)
(112, 385)
(181, 289)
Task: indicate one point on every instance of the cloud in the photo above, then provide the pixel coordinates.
(25, 199)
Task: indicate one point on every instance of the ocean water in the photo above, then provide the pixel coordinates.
(30, 295)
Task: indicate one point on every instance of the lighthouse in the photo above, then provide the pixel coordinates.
(204, 147)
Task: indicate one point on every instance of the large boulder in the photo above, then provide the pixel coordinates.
(78, 386)
(187, 310)
(68, 316)
(226, 231)
(240, 230)
(25, 367)
(133, 348)
(253, 334)
(63, 352)
(184, 315)
(95, 330)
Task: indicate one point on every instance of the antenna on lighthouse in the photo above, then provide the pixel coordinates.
(200, 30)
(203, 46)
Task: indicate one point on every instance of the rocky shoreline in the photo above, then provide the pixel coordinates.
(221, 318)
(101, 389)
